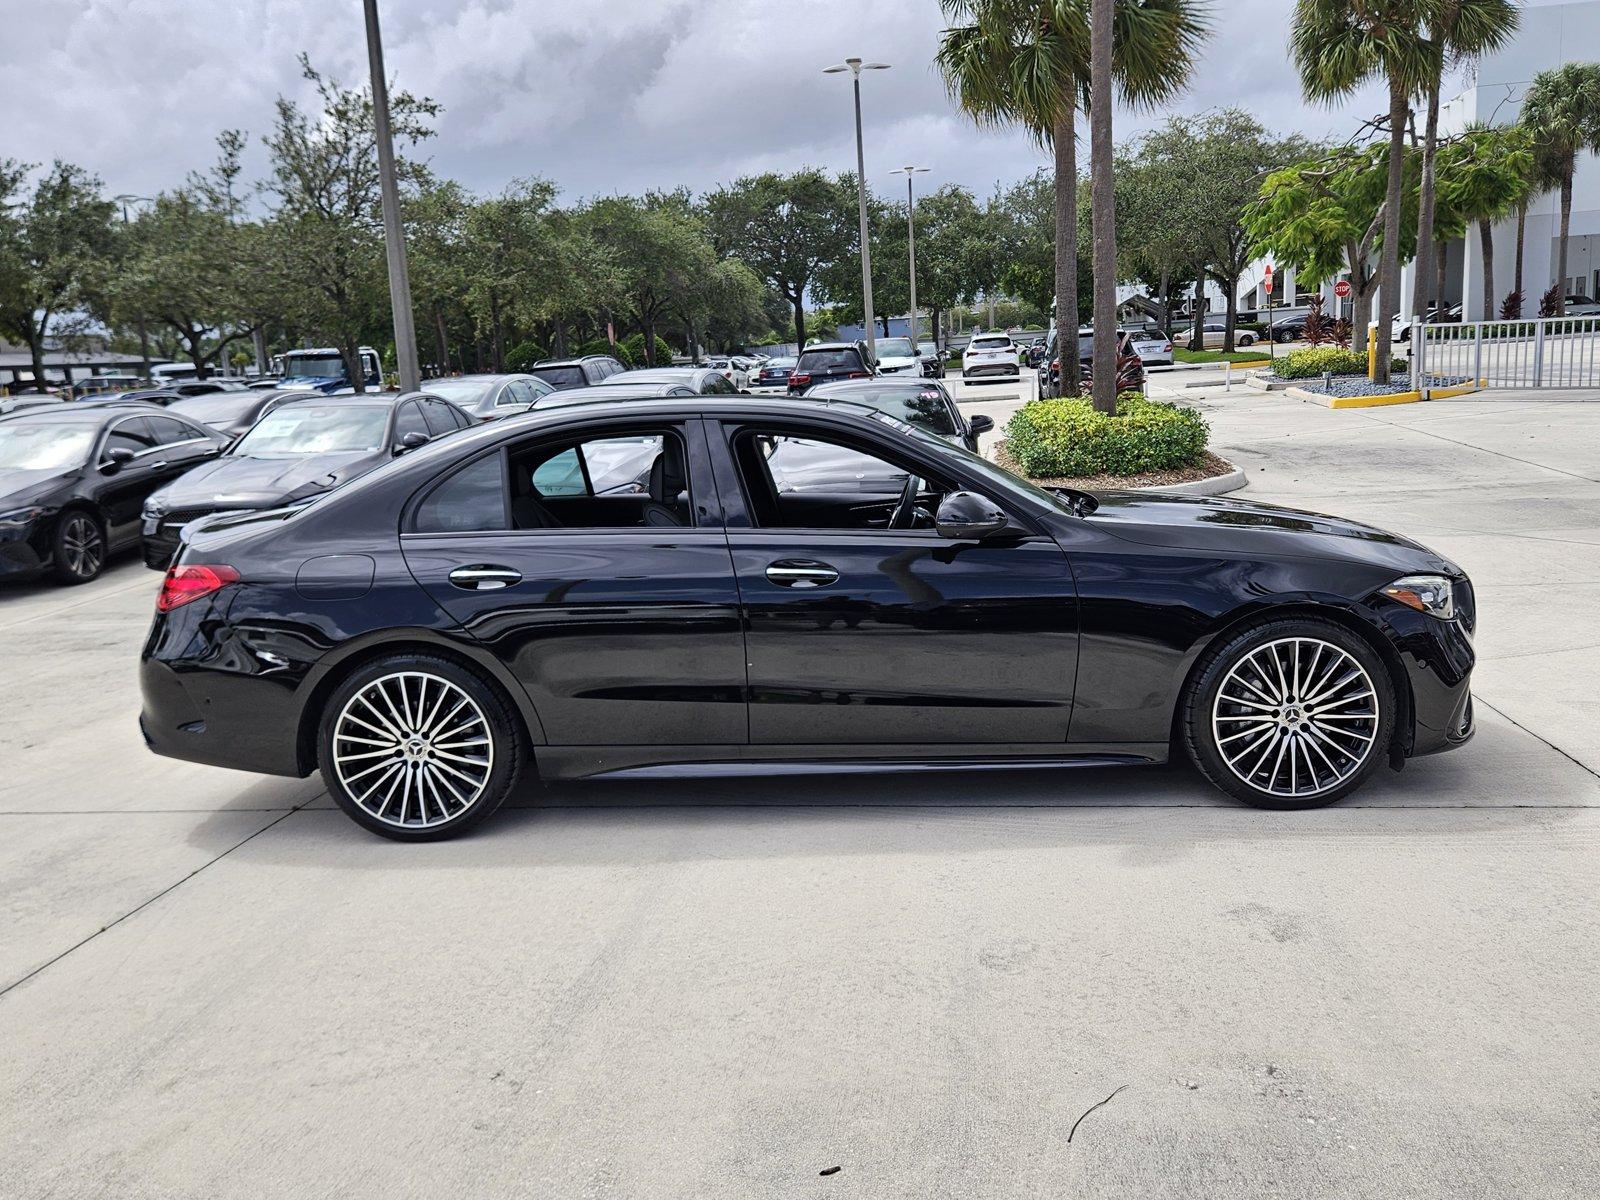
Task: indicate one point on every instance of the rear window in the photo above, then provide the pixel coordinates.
(561, 377)
(991, 343)
(828, 360)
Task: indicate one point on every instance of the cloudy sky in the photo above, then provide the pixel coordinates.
(598, 95)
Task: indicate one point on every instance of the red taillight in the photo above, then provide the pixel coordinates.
(187, 583)
(798, 379)
(858, 375)
(1055, 364)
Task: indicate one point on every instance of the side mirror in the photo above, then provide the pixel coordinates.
(967, 516)
(980, 423)
(116, 458)
(411, 441)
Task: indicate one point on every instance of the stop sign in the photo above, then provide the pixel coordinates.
(1342, 289)
(1267, 282)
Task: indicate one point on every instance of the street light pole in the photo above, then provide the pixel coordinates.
(911, 246)
(405, 332)
(144, 333)
(855, 66)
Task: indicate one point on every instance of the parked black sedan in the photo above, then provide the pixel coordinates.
(233, 412)
(919, 402)
(73, 477)
(299, 450)
(425, 632)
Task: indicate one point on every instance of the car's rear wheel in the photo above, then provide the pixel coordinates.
(418, 748)
(1290, 714)
(1246, 339)
(78, 549)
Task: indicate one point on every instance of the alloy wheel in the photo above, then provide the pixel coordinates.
(413, 750)
(82, 546)
(1295, 717)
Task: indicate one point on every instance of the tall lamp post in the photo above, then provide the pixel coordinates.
(144, 333)
(855, 66)
(911, 246)
(405, 331)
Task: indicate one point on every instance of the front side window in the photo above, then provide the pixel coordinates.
(797, 480)
(410, 420)
(131, 435)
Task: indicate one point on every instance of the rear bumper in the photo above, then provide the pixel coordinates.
(998, 370)
(158, 551)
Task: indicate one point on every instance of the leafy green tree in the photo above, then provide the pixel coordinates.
(950, 225)
(1484, 175)
(56, 248)
(785, 228)
(1456, 30)
(1561, 109)
(327, 236)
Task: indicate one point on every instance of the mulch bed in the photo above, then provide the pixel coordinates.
(1209, 467)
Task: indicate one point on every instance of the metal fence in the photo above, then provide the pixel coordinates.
(1550, 352)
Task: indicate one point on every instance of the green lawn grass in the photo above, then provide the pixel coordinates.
(1216, 356)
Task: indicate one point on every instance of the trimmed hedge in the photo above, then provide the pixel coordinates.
(632, 347)
(1067, 437)
(1310, 364)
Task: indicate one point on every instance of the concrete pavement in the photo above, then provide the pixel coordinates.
(214, 984)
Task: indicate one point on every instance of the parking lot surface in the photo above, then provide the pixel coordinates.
(214, 984)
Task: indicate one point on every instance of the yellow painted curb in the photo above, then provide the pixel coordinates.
(1252, 364)
(1443, 393)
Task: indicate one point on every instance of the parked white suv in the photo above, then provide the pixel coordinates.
(992, 354)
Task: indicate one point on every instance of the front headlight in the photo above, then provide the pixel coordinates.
(1432, 594)
(18, 518)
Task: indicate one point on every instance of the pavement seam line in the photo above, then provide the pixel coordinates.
(1484, 450)
(1536, 737)
(45, 966)
(95, 599)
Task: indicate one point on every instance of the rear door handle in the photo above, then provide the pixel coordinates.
(801, 573)
(484, 577)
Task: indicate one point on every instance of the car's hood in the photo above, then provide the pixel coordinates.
(1242, 526)
(311, 383)
(240, 481)
(20, 489)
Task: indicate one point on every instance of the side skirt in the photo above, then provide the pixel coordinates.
(662, 762)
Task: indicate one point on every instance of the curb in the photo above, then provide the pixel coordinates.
(1379, 401)
(1217, 485)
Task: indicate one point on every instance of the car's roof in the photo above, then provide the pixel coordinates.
(478, 377)
(654, 375)
(572, 362)
(607, 390)
(844, 387)
(77, 411)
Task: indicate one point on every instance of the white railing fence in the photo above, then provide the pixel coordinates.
(1546, 352)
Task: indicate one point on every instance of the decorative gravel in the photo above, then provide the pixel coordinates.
(1360, 385)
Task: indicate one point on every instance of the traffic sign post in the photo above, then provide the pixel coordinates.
(1272, 337)
(1342, 290)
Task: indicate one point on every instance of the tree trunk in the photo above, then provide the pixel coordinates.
(1389, 264)
(650, 341)
(1566, 230)
(1233, 316)
(1064, 137)
(561, 338)
(1166, 303)
(1522, 228)
(497, 343)
(1103, 206)
(36, 354)
(351, 353)
(799, 321)
(1486, 241)
(1422, 273)
(1197, 336)
(441, 339)
(1442, 249)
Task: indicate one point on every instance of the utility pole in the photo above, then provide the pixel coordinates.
(405, 332)
(144, 333)
(855, 66)
(911, 242)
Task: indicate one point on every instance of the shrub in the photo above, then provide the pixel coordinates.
(1067, 437)
(523, 355)
(633, 344)
(1511, 306)
(1310, 364)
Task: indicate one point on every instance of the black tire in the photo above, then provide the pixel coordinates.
(1201, 716)
(1246, 339)
(446, 816)
(78, 547)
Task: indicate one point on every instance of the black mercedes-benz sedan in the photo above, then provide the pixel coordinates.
(298, 450)
(233, 412)
(427, 631)
(73, 476)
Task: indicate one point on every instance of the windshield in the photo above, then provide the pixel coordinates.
(895, 348)
(465, 392)
(313, 366)
(303, 429)
(44, 447)
(780, 364)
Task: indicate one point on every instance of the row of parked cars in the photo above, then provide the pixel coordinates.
(82, 480)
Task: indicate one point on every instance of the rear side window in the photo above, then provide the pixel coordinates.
(474, 498)
(170, 429)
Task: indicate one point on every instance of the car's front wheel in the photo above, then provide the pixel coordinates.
(418, 748)
(1290, 714)
(78, 550)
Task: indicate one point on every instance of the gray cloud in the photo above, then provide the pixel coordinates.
(604, 96)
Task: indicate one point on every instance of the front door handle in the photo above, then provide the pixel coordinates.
(801, 573)
(484, 577)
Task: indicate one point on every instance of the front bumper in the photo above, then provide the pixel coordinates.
(20, 558)
(1437, 658)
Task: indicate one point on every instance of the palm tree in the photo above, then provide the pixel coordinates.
(1561, 110)
(1457, 29)
(1339, 45)
(1027, 63)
